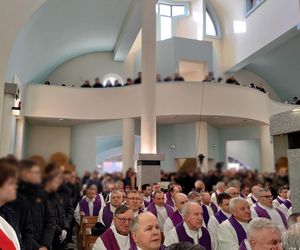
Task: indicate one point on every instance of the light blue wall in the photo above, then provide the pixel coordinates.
(213, 143)
(246, 152)
(183, 136)
(83, 142)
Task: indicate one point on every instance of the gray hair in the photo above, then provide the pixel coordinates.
(186, 207)
(258, 224)
(122, 209)
(134, 224)
(193, 194)
(234, 183)
(220, 184)
(293, 219)
(234, 201)
(291, 238)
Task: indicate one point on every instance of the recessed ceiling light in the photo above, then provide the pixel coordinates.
(296, 110)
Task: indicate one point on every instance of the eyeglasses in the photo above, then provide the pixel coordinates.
(123, 220)
(134, 199)
(267, 196)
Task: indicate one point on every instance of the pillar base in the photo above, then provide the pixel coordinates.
(148, 168)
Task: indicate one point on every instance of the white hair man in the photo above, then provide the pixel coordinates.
(290, 239)
(252, 198)
(191, 229)
(286, 206)
(220, 216)
(220, 188)
(262, 234)
(281, 197)
(118, 235)
(264, 209)
(233, 192)
(106, 213)
(180, 199)
(146, 232)
(232, 232)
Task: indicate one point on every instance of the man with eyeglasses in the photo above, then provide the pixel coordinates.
(262, 234)
(118, 236)
(180, 199)
(134, 201)
(264, 209)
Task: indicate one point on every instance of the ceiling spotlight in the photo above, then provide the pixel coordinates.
(296, 110)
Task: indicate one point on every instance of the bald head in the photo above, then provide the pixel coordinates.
(180, 199)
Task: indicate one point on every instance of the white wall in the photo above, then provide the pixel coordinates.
(86, 67)
(266, 23)
(45, 141)
(83, 142)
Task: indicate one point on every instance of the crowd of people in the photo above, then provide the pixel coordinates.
(223, 209)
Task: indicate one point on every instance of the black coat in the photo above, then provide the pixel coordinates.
(43, 220)
(24, 220)
(65, 195)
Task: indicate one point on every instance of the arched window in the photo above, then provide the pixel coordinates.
(112, 78)
(212, 25)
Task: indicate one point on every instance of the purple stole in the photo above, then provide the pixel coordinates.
(204, 241)
(147, 203)
(242, 195)
(169, 200)
(261, 212)
(279, 200)
(220, 216)
(254, 201)
(107, 215)
(151, 208)
(176, 218)
(243, 246)
(109, 240)
(239, 230)
(205, 214)
(84, 206)
(214, 207)
(287, 203)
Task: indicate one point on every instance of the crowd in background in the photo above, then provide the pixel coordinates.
(39, 209)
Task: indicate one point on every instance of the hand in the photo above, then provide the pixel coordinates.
(63, 236)
(43, 248)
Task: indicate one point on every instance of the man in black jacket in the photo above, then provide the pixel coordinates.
(42, 217)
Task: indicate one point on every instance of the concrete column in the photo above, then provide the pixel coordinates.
(19, 138)
(148, 115)
(6, 128)
(128, 143)
(294, 176)
(202, 144)
(267, 162)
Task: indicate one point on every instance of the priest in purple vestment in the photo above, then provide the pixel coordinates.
(233, 231)
(262, 234)
(173, 190)
(118, 236)
(146, 232)
(180, 199)
(191, 229)
(281, 197)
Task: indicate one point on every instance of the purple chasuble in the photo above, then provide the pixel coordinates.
(214, 207)
(205, 214)
(84, 206)
(107, 215)
(287, 203)
(263, 213)
(279, 200)
(169, 199)
(204, 241)
(109, 240)
(220, 216)
(239, 230)
(243, 246)
(151, 208)
(176, 218)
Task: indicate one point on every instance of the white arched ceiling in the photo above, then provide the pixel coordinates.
(61, 30)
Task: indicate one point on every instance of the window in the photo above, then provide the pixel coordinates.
(251, 5)
(167, 13)
(111, 78)
(211, 22)
(210, 26)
